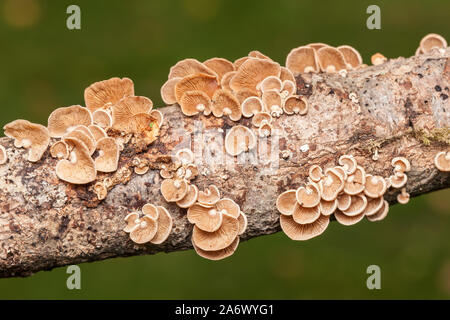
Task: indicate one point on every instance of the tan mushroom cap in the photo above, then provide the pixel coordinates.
(132, 219)
(195, 102)
(28, 135)
(341, 171)
(288, 88)
(265, 129)
(174, 190)
(59, 150)
(168, 91)
(143, 125)
(240, 61)
(398, 180)
(381, 213)
(331, 184)
(348, 162)
(378, 59)
(219, 239)
(100, 190)
(315, 173)
(158, 116)
(303, 215)
(251, 106)
(351, 56)
(209, 196)
(330, 59)
(220, 66)
(190, 198)
(295, 104)
(127, 107)
(302, 60)
(344, 201)
(355, 182)
(97, 132)
(102, 118)
(191, 172)
(239, 139)
(286, 75)
(375, 186)
(141, 169)
(270, 83)
(79, 168)
(82, 136)
(245, 93)
(258, 54)
(165, 224)
(229, 207)
(196, 82)
(243, 223)
(144, 231)
(357, 205)
(63, 120)
(431, 41)
(225, 81)
(373, 205)
(401, 164)
(252, 72)
(185, 156)
(224, 103)
(107, 91)
(218, 254)
(286, 202)
(347, 220)
(260, 117)
(403, 197)
(327, 208)
(3, 155)
(301, 232)
(442, 161)
(150, 210)
(271, 99)
(317, 45)
(188, 67)
(108, 158)
(308, 196)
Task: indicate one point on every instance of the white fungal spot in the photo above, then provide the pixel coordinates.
(304, 148)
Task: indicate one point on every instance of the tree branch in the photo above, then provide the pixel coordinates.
(402, 109)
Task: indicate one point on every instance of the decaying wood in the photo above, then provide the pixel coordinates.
(402, 109)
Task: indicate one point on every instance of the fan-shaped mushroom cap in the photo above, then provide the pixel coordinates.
(63, 120)
(145, 230)
(188, 67)
(431, 41)
(185, 156)
(330, 59)
(303, 215)
(164, 223)
(351, 56)
(286, 75)
(141, 169)
(194, 102)
(97, 132)
(258, 54)
(375, 186)
(209, 196)
(327, 208)
(81, 135)
(348, 162)
(239, 139)
(220, 66)
(225, 81)
(108, 158)
(100, 190)
(3, 155)
(344, 201)
(381, 213)
(252, 72)
(79, 168)
(219, 239)
(132, 219)
(102, 118)
(245, 93)
(143, 125)
(302, 60)
(348, 220)
(341, 172)
(218, 254)
(270, 83)
(265, 129)
(401, 164)
(297, 231)
(357, 205)
(86, 131)
(308, 196)
(398, 180)
(331, 184)
(270, 99)
(295, 104)
(127, 107)
(174, 190)
(317, 45)
(150, 210)
(158, 116)
(315, 173)
(28, 135)
(355, 182)
(196, 82)
(168, 90)
(442, 161)
(378, 59)
(107, 91)
(373, 205)
(251, 106)
(229, 207)
(243, 222)
(190, 198)
(224, 103)
(403, 197)
(260, 117)
(59, 150)
(240, 61)
(288, 88)
(191, 172)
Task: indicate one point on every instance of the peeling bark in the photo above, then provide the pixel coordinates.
(402, 110)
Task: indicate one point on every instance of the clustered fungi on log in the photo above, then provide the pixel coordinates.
(88, 142)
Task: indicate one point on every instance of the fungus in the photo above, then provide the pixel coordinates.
(191, 172)
(355, 182)
(174, 190)
(81, 135)
(190, 198)
(330, 59)
(286, 75)
(272, 102)
(144, 230)
(251, 106)
(218, 254)
(403, 196)
(141, 169)
(209, 196)
(431, 41)
(79, 168)
(224, 103)
(378, 59)
(102, 118)
(295, 104)
(304, 215)
(341, 172)
(132, 219)
(144, 126)
(194, 102)
(347, 220)
(158, 116)
(245, 93)
(239, 139)
(288, 88)
(373, 205)
(219, 239)
(308, 196)
(265, 129)
(398, 180)
(302, 60)
(351, 56)
(196, 82)
(108, 158)
(258, 54)
(348, 163)
(185, 155)
(107, 91)
(97, 132)
(228, 207)
(188, 67)
(381, 213)
(327, 208)
(298, 232)
(65, 119)
(238, 62)
(220, 66)
(59, 150)
(260, 117)
(331, 184)
(442, 161)
(100, 190)
(317, 45)
(225, 82)
(315, 173)
(150, 210)
(344, 201)
(401, 164)
(375, 186)
(357, 205)
(243, 222)
(126, 108)
(28, 135)
(270, 83)
(168, 90)
(3, 155)
(252, 72)
(164, 223)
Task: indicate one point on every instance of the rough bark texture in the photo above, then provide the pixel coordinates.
(403, 110)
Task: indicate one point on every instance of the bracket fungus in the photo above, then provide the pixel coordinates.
(195, 102)
(63, 120)
(352, 57)
(224, 103)
(295, 105)
(302, 60)
(251, 106)
(3, 155)
(378, 59)
(168, 90)
(83, 137)
(59, 150)
(270, 83)
(442, 161)
(432, 41)
(252, 72)
(189, 67)
(403, 196)
(302, 232)
(331, 59)
(209, 196)
(100, 93)
(127, 107)
(239, 139)
(102, 118)
(196, 82)
(220, 66)
(97, 132)
(108, 158)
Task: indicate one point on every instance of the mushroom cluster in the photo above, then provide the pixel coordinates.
(345, 191)
(431, 41)
(218, 223)
(442, 161)
(151, 224)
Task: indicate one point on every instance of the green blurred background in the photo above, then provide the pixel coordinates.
(44, 65)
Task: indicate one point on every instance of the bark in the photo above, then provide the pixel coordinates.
(402, 110)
